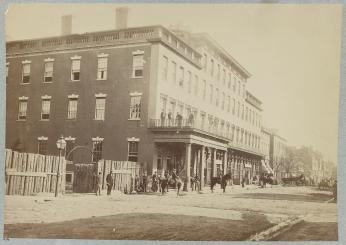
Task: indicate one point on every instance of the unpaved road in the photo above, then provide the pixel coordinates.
(276, 204)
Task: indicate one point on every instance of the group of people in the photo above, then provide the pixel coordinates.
(178, 119)
(109, 183)
(161, 182)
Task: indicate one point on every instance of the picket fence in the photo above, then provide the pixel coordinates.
(29, 173)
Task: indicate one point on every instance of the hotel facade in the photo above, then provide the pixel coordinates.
(167, 99)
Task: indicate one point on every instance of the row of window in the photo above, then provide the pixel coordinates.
(101, 73)
(97, 148)
(239, 110)
(100, 107)
(184, 77)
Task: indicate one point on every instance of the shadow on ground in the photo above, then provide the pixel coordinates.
(308, 231)
(312, 197)
(139, 226)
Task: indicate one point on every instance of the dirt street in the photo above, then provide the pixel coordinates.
(274, 204)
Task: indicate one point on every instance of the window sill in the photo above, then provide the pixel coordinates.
(21, 120)
(44, 120)
(136, 77)
(24, 83)
(72, 81)
(101, 79)
(47, 82)
(102, 120)
(134, 119)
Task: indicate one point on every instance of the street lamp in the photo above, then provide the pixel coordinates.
(60, 144)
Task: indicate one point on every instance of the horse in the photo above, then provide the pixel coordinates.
(267, 179)
(163, 184)
(222, 180)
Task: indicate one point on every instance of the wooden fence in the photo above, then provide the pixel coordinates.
(123, 173)
(84, 178)
(28, 173)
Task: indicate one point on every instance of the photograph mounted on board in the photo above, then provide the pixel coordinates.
(195, 122)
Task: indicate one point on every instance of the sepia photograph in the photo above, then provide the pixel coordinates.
(171, 122)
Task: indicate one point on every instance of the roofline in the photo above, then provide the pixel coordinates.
(86, 33)
(230, 57)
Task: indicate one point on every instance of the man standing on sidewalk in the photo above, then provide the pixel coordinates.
(109, 181)
(144, 182)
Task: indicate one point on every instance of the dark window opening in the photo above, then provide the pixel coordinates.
(26, 79)
(48, 79)
(75, 76)
(138, 73)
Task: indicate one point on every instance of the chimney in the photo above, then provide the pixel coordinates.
(121, 17)
(66, 25)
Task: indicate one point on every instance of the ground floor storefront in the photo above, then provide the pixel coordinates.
(204, 161)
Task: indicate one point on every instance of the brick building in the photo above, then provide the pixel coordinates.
(164, 98)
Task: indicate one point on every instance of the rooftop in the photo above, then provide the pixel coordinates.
(155, 33)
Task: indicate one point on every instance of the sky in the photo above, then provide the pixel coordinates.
(291, 50)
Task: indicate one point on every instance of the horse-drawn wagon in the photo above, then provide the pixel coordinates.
(298, 180)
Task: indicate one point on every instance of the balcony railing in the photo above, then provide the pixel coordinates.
(186, 124)
(203, 127)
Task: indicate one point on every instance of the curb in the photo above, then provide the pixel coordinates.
(276, 229)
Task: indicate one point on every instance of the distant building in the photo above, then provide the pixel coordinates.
(139, 94)
(277, 154)
(321, 169)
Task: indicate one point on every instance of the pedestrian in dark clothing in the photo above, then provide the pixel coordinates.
(144, 183)
(243, 182)
(109, 181)
(179, 119)
(99, 184)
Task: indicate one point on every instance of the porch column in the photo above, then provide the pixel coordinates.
(187, 165)
(214, 162)
(202, 166)
(155, 156)
(225, 162)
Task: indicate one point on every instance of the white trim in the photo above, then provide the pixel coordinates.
(97, 139)
(42, 138)
(69, 138)
(136, 94)
(23, 98)
(76, 57)
(72, 50)
(49, 60)
(46, 97)
(7, 63)
(133, 139)
(26, 61)
(102, 55)
(100, 95)
(73, 96)
(138, 52)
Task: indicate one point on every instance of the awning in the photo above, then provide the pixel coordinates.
(266, 167)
